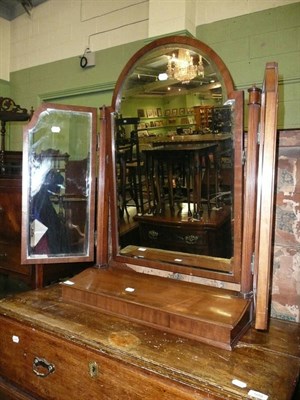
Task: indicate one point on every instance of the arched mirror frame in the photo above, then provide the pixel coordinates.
(208, 267)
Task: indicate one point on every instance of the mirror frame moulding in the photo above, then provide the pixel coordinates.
(203, 270)
(43, 259)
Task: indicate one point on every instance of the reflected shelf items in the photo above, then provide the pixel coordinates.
(176, 124)
(198, 119)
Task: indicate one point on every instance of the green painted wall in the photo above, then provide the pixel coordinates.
(244, 43)
(5, 92)
(4, 88)
(66, 82)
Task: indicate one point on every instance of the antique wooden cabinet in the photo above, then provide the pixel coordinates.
(52, 349)
(123, 329)
(208, 239)
(11, 197)
(10, 230)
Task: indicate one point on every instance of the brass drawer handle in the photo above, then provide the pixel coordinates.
(3, 256)
(39, 364)
(153, 235)
(191, 239)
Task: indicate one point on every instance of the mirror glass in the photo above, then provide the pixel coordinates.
(58, 189)
(174, 134)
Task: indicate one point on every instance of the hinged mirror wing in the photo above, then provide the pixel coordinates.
(58, 206)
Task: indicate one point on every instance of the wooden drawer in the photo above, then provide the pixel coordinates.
(175, 238)
(75, 372)
(205, 240)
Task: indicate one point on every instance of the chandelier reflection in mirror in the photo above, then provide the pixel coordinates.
(184, 67)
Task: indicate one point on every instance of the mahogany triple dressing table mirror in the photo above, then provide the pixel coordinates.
(198, 146)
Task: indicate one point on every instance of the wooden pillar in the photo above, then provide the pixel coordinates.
(250, 190)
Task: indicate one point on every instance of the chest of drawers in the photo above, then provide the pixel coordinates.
(51, 349)
(178, 234)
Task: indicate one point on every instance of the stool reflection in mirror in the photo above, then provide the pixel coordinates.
(129, 168)
(180, 215)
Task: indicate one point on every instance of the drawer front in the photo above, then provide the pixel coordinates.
(52, 368)
(205, 241)
(175, 238)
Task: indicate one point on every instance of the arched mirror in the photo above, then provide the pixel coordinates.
(177, 138)
(174, 190)
(59, 185)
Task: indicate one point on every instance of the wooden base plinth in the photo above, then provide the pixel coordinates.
(207, 314)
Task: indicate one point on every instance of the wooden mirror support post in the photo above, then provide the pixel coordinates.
(265, 195)
(250, 185)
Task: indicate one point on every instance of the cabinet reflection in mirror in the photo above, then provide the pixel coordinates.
(178, 140)
(58, 189)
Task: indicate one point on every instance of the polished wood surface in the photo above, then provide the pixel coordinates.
(250, 186)
(103, 186)
(133, 361)
(207, 314)
(187, 261)
(265, 195)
